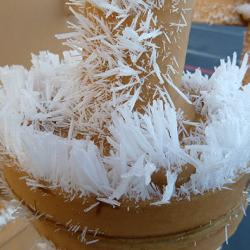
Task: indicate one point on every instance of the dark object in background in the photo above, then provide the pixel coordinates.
(208, 44)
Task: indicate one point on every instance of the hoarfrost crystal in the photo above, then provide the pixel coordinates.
(74, 122)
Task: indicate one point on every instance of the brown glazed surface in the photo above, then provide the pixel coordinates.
(29, 26)
(175, 51)
(203, 240)
(130, 220)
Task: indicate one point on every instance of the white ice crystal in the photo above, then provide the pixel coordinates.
(121, 7)
(141, 144)
(226, 104)
(73, 122)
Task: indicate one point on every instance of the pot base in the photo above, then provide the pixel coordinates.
(205, 221)
(209, 238)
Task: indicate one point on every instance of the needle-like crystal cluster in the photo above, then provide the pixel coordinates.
(74, 123)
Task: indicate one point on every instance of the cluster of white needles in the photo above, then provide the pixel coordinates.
(51, 115)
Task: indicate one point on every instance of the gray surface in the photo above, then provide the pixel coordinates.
(208, 44)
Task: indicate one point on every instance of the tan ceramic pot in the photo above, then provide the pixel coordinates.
(204, 220)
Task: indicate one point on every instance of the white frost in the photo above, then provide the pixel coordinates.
(53, 115)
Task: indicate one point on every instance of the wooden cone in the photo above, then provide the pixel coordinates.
(174, 19)
(173, 43)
